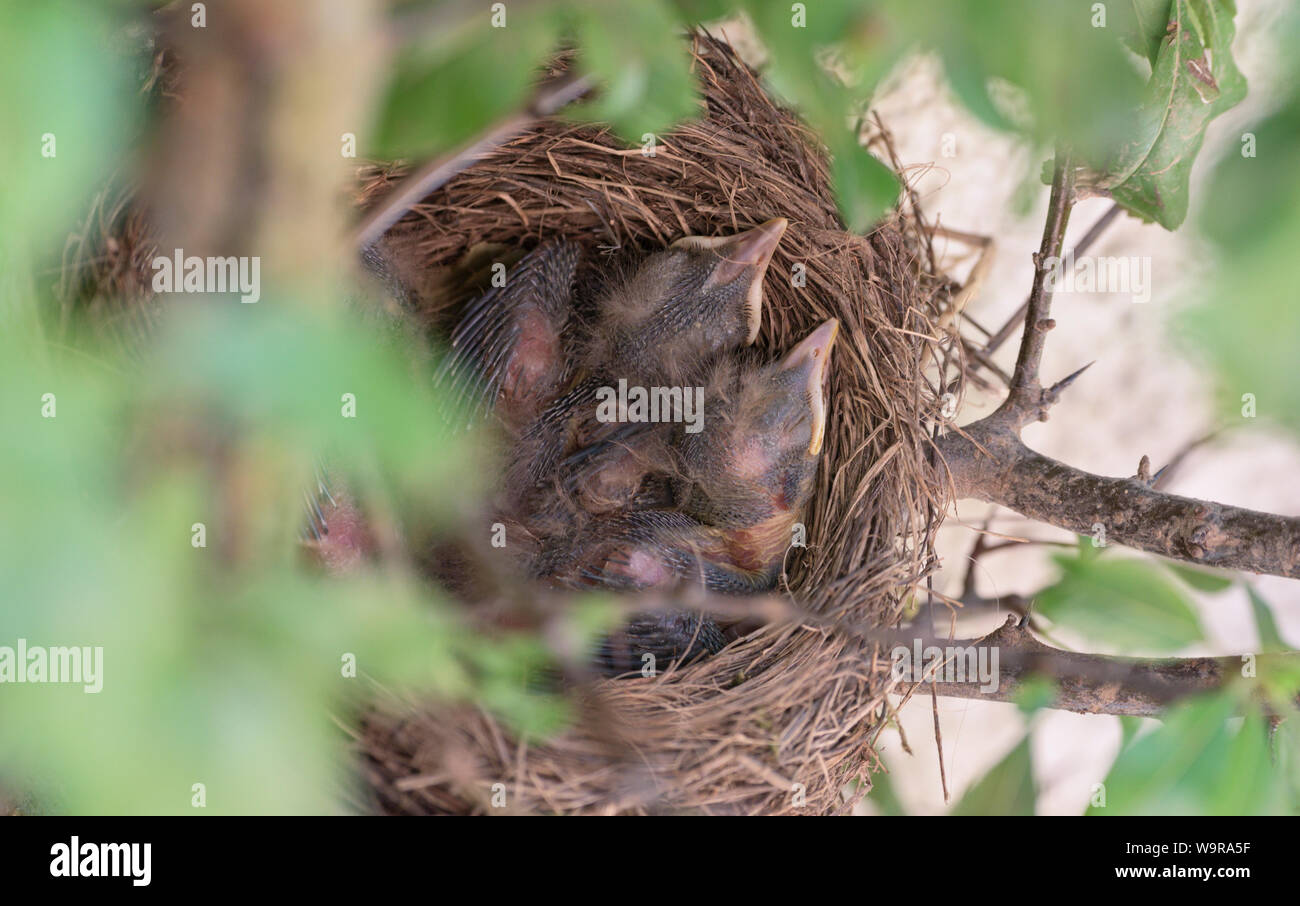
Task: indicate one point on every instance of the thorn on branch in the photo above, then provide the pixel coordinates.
(1054, 392)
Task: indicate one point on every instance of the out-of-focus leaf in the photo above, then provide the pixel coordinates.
(636, 50)
(439, 99)
(693, 12)
(1126, 604)
(1036, 693)
(227, 657)
(864, 187)
(1194, 79)
(1253, 189)
(884, 797)
(1269, 638)
(1073, 78)
(1246, 323)
(1202, 579)
(1286, 749)
(64, 113)
(1142, 25)
(1088, 548)
(508, 672)
(1129, 727)
(1249, 326)
(1196, 763)
(1008, 789)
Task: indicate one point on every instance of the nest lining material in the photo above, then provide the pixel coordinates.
(783, 719)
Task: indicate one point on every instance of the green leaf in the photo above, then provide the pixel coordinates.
(1126, 604)
(1088, 548)
(1254, 186)
(1202, 579)
(1196, 763)
(636, 50)
(1248, 326)
(1270, 640)
(1072, 80)
(1129, 727)
(864, 187)
(1036, 693)
(693, 12)
(1008, 789)
(441, 98)
(1142, 25)
(65, 113)
(1286, 752)
(1193, 80)
(884, 797)
(1245, 322)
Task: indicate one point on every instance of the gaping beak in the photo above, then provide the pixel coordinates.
(812, 357)
(745, 253)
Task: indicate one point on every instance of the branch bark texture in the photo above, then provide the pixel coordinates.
(1089, 683)
(990, 463)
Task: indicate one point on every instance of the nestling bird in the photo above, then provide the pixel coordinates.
(508, 349)
(701, 296)
(337, 536)
(638, 505)
(635, 551)
(667, 635)
(751, 469)
(740, 485)
(661, 326)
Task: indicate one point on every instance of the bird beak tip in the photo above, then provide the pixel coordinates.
(813, 353)
(755, 249)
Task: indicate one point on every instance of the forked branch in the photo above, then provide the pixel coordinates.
(987, 460)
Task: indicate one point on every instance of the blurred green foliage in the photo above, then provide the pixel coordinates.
(1007, 789)
(1199, 761)
(223, 663)
(59, 77)
(1068, 79)
(1193, 80)
(1246, 323)
(1126, 605)
(1190, 764)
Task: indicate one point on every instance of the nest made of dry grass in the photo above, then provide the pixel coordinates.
(781, 720)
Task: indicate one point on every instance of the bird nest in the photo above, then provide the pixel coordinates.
(782, 720)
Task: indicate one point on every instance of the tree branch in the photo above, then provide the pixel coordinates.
(1085, 683)
(1004, 332)
(1026, 401)
(990, 463)
(987, 460)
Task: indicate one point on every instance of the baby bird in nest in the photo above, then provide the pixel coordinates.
(736, 491)
(508, 350)
(661, 326)
(633, 506)
(738, 487)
